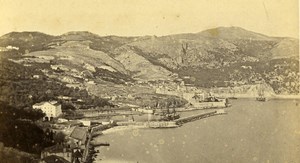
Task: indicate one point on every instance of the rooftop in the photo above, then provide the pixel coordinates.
(50, 102)
(56, 149)
(55, 159)
(79, 133)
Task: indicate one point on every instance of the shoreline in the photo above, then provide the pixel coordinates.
(121, 129)
(114, 130)
(117, 129)
(291, 97)
(250, 119)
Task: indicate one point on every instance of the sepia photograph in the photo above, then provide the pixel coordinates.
(149, 81)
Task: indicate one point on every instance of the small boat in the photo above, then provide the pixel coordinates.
(263, 99)
(170, 117)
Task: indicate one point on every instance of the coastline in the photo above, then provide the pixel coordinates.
(115, 160)
(246, 115)
(273, 96)
(289, 97)
(122, 130)
(116, 129)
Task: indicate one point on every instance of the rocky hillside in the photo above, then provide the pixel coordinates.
(224, 56)
(216, 48)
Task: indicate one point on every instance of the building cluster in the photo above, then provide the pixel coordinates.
(76, 144)
(72, 151)
(52, 109)
(193, 95)
(8, 48)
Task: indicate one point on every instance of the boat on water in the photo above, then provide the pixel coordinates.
(261, 93)
(263, 99)
(169, 116)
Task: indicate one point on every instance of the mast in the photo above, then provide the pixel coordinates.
(260, 90)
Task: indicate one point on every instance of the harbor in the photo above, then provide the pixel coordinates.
(92, 139)
(150, 82)
(88, 134)
(199, 140)
(191, 118)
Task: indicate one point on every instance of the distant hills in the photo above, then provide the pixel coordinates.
(233, 33)
(213, 57)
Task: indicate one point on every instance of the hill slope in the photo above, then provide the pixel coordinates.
(220, 56)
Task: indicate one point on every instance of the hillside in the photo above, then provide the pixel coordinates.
(82, 70)
(223, 56)
(235, 33)
(26, 41)
(139, 66)
(215, 48)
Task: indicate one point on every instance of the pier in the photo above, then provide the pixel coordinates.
(94, 131)
(87, 147)
(98, 143)
(183, 120)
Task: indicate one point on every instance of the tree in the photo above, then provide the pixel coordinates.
(68, 106)
(59, 137)
(17, 130)
(184, 48)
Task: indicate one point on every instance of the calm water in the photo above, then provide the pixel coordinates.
(252, 131)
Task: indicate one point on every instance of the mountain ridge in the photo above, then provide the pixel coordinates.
(222, 51)
(205, 30)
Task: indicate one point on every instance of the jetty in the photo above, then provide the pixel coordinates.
(96, 143)
(191, 118)
(172, 123)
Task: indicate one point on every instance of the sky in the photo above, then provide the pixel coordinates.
(149, 17)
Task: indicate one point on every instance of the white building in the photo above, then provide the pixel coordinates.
(52, 109)
(9, 47)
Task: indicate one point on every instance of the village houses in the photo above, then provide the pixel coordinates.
(52, 109)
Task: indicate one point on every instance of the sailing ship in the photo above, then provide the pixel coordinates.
(169, 116)
(261, 93)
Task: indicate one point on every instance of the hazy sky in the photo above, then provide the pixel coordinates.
(149, 17)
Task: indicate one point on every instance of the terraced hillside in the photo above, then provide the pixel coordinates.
(224, 56)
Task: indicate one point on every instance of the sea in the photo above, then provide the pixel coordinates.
(251, 131)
